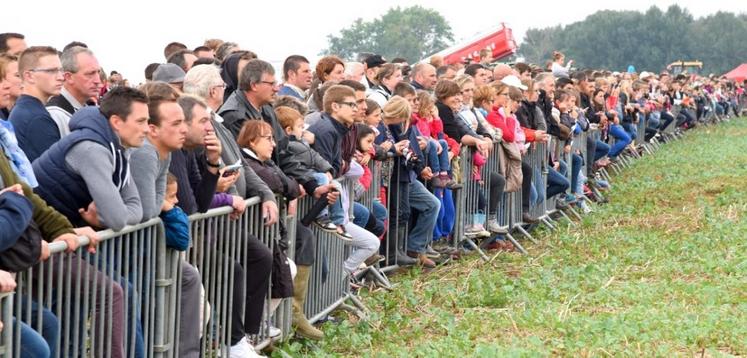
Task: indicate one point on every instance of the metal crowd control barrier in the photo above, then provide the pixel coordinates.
(219, 244)
(567, 158)
(396, 234)
(595, 134)
(537, 159)
(6, 317)
(82, 292)
(329, 285)
(476, 192)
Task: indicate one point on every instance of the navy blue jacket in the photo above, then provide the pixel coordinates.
(15, 214)
(328, 134)
(35, 129)
(407, 170)
(65, 190)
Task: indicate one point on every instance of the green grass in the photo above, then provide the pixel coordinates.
(660, 271)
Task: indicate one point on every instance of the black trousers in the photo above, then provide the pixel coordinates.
(254, 275)
(526, 186)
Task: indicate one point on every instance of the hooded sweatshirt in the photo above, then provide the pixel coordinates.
(89, 165)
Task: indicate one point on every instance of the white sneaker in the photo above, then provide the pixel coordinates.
(494, 226)
(273, 331)
(244, 349)
(585, 207)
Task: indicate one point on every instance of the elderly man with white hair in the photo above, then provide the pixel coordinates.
(205, 82)
(354, 71)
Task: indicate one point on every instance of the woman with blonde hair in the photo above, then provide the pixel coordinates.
(405, 191)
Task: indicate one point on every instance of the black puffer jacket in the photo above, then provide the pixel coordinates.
(271, 174)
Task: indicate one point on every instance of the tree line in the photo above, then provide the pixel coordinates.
(647, 40)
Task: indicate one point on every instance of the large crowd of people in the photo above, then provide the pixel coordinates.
(82, 150)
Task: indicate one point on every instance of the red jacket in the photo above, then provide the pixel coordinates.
(507, 125)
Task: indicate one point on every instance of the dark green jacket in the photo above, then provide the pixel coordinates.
(51, 223)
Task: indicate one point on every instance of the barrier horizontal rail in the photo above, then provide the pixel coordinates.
(81, 295)
(220, 250)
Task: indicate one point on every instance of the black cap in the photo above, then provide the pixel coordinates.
(374, 61)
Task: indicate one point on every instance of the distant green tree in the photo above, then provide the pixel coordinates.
(649, 41)
(412, 33)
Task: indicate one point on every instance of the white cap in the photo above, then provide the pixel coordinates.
(645, 74)
(513, 81)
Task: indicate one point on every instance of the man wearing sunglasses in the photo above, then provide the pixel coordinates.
(42, 75)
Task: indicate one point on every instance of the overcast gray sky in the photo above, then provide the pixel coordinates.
(128, 35)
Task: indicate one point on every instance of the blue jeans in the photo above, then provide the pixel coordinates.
(336, 214)
(438, 162)
(445, 220)
(428, 206)
(379, 210)
(556, 182)
(577, 162)
(631, 129)
(654, 120)
(622, 139)
(537, 195)
(601, 150)
(34, 344)
(363, 219)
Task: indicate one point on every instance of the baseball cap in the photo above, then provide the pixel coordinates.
(169, 73)
(513, 81)
(374, 61)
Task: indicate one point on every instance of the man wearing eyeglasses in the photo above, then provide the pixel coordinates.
(253, 101)
(42, 75)
(82, 86)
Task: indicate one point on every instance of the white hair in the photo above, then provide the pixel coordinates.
(350, 67)
(200, 78)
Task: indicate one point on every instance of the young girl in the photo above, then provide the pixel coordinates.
(373, 223)
(438, 152)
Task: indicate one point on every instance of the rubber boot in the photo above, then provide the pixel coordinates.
(300, 322)
(402, 258)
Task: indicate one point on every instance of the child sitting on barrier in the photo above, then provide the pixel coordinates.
(313, 172)
(425, 117)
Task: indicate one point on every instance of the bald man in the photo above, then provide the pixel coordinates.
(502, 70)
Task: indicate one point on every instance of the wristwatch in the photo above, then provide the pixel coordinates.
(216, 165)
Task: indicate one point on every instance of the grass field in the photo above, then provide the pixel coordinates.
(660, 271)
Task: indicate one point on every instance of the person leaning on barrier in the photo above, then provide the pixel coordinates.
(204, 81)
(340, 111)
(449, 98)
(15, 217)
(82, 85)
(150, 166)
(102, 195)
(408, 192)
(197, 176)
(257, 145)
(253, 101)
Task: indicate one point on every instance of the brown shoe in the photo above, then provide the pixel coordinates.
(423, 260)
(528, 219)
